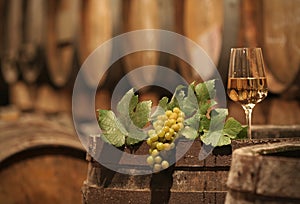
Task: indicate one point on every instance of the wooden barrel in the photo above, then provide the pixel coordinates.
(31, 56)
(2, 22)
(96, 29)
(187, 181)
(202, 22)
(62, 39)
(3, 85)
(41, 159)
(266, 173)
(281, 42)
(141, 14)
(11, 40)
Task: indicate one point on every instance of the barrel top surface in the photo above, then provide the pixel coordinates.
(270, 170)
(266, 149)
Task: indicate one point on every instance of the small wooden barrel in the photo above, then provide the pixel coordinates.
(188, 181)
(266, 173)
(40, 160)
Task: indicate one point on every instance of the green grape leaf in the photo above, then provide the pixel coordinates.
(131, 141)
(205, 91)
(224, 141)
(140, 116)
(135, 135)
(211, 137)
(217, 117)
(232, 128)
(204, 123)
(193, 121)
(127, 103)
(206, 105)
(112, 130)
(131, 118)
(215, 138)
(163, 103)
(189, 133)
(190, 103)
(214, 134)
(177, 98)
(160, 109)
(132, 104)
(220, 137)
(243, 133)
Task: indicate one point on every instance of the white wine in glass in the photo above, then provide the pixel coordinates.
(247, 82)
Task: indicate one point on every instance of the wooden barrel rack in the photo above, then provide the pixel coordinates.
(188, 181)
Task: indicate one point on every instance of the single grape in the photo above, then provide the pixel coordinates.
(156, 167)
(172, 121)
(176, 110)
(154, 138)
(150, 160)
(158, 128)
(181, 114)
(151, 132)
(157, 159)
(180, 120)
(161, 133)
(167, 123)
(160, 122)
(168, 136)
(154, 153)
(167, 146)
(165, 164)
(149, 142)
(166, 129)
(160, 146)
(173, 116)
(168, 113)
(181, 126)
(175, 127)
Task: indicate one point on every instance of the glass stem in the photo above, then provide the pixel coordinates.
(248, 111)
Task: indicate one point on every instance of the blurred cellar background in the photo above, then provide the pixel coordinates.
(43, 43)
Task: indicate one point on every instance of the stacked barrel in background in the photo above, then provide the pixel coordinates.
(43, 44)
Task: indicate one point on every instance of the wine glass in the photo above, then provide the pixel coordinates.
(247, 82)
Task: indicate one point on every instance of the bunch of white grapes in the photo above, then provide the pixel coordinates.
(162, 137)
